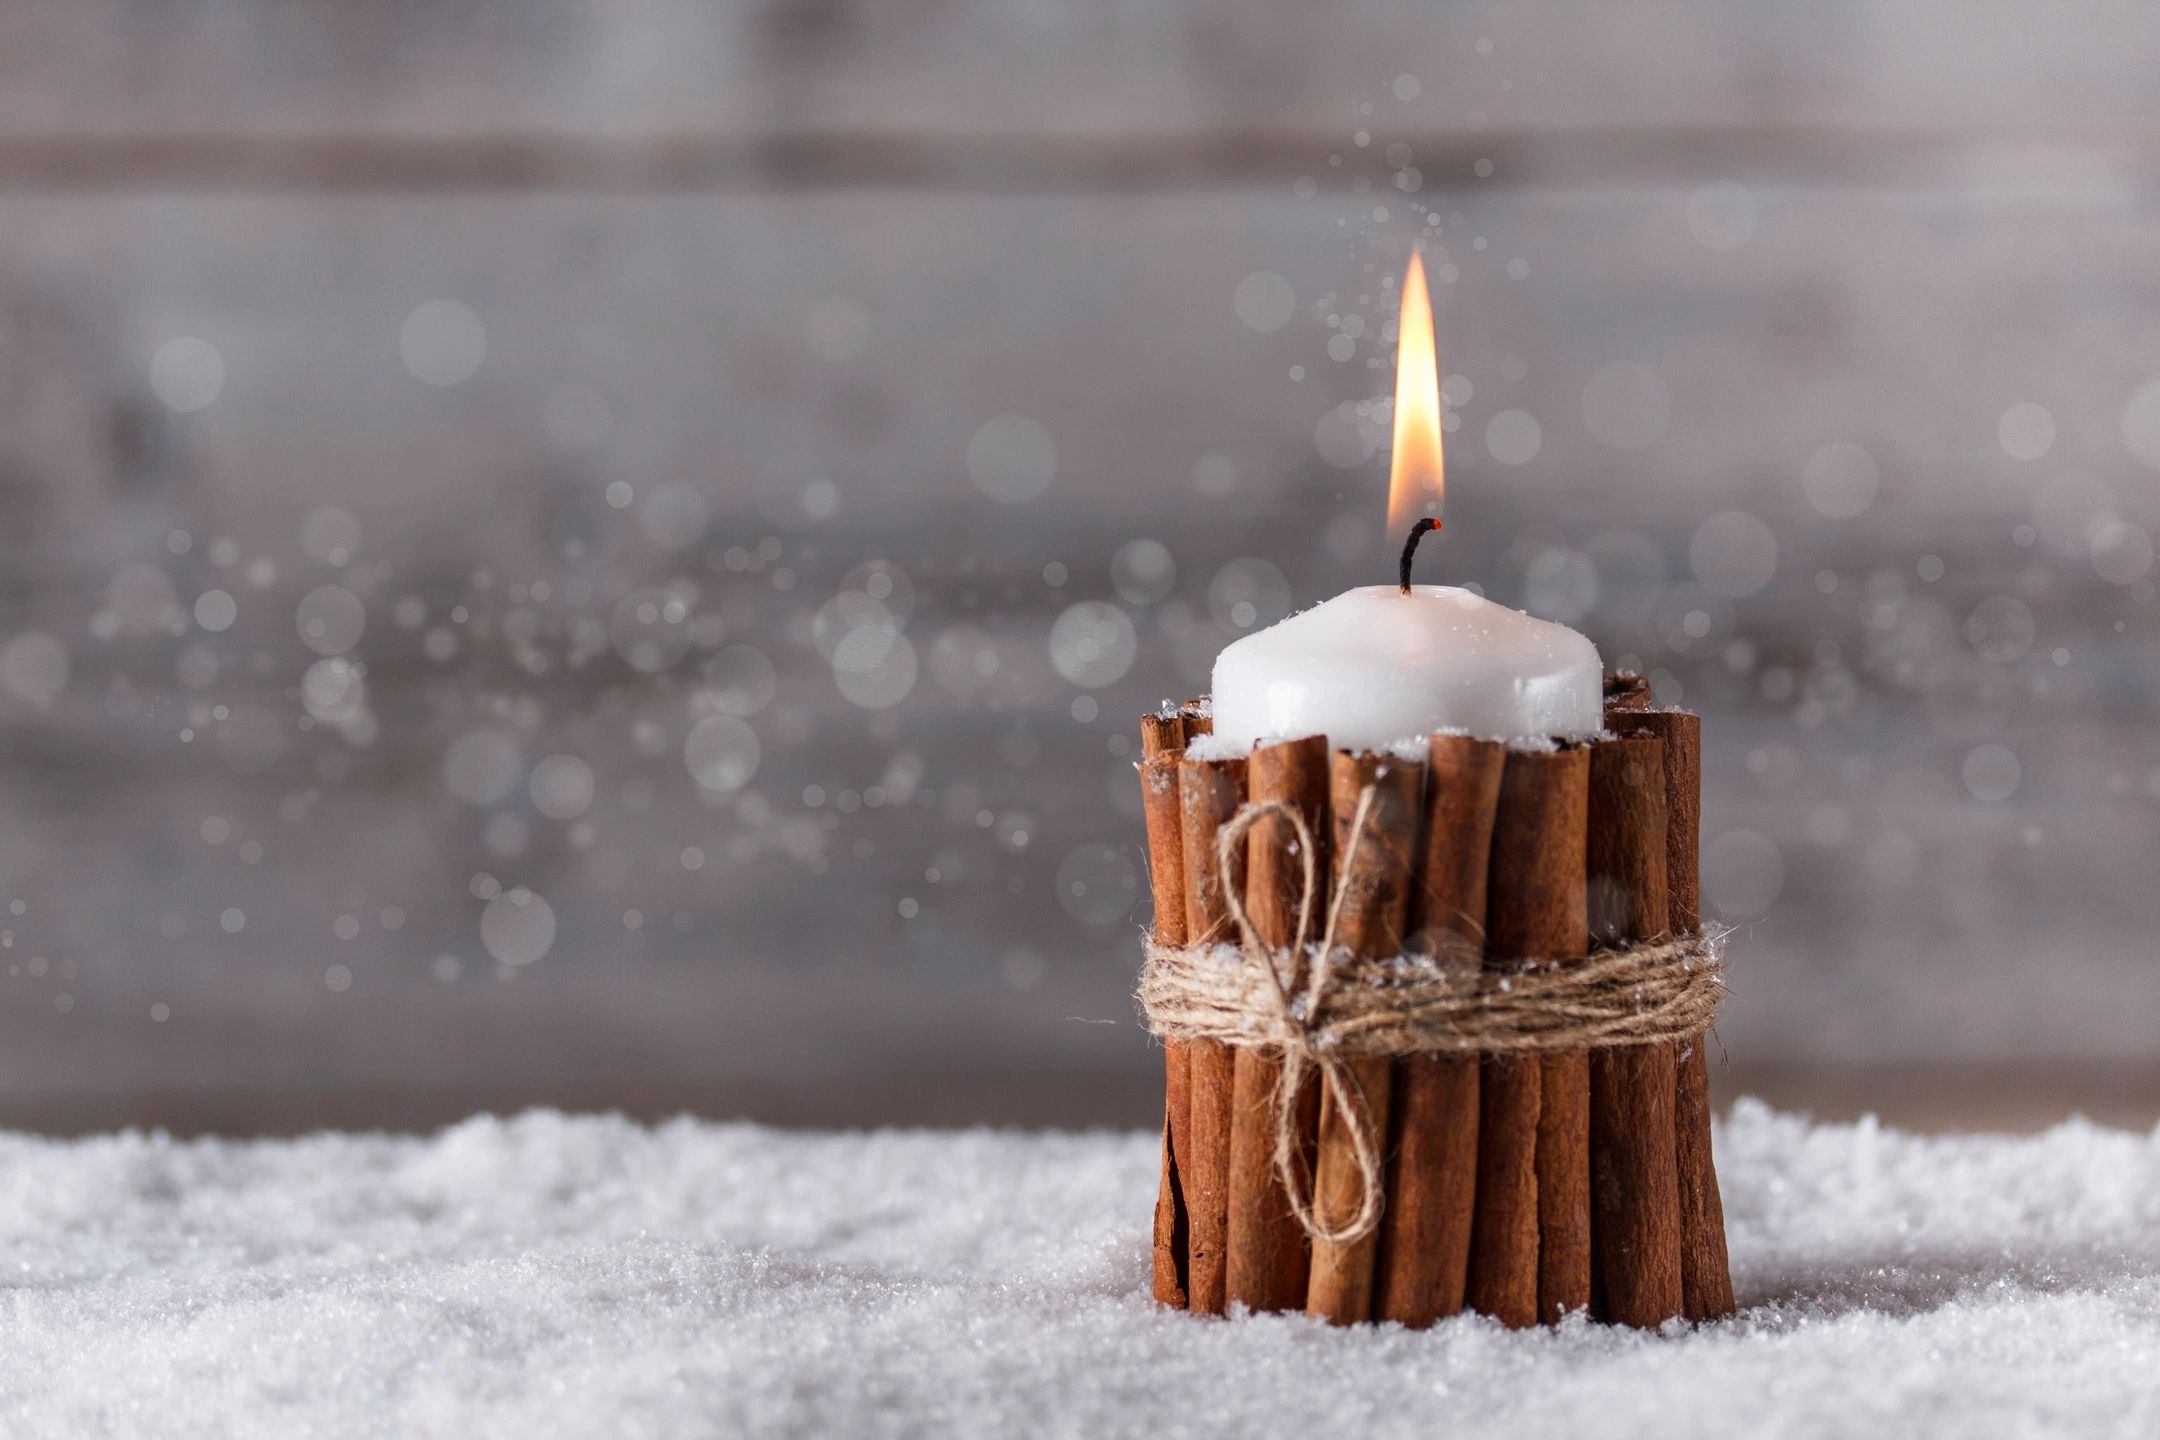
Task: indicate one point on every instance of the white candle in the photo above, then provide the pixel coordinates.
(1388, 663)
(1373, 666)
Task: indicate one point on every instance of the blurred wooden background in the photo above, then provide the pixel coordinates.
(494, 316)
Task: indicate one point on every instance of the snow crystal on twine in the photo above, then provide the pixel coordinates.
(1350, 1007)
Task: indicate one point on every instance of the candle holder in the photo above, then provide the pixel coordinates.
(1433, 1021)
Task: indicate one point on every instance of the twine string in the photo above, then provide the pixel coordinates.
(1337, 1084)
(1320, 1015)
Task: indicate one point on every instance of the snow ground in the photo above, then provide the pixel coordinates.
(554, 1276)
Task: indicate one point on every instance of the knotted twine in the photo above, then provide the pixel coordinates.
(1350, 1007)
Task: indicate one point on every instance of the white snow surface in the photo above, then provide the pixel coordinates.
(556, 1276)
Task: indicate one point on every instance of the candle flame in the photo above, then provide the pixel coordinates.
(1417, 477)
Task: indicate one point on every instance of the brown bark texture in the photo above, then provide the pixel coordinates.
(1375, 868)
(1705, 1270)
(1162, 741)
(1209, 793)
(1634, 1167)
(1269, 1258)
(1424, 1251)
(1530, 1235)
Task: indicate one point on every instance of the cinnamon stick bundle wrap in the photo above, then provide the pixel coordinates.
(1269, 1258)
(1162, 741)
(1399, 1118)
(1634, 1168)
(1424, 1253)
(1705, 1272)
(1209, 794)
(1376, 799)
(1530, 1235)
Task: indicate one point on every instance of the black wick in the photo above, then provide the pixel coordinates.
(1409, 549)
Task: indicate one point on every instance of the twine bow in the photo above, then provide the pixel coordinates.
(1299, 1014)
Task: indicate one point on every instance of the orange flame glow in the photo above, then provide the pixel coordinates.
(1417, 477)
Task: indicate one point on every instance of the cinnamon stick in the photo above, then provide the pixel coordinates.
(1705, 1272)
(1530, 1237)
(1162, 741)
(1375, 871)
(1209, 793)
(1269, 1260)
(1626, 692)
(1161, 733)
(1424, 1255)
(1634, 1170)
(1563, 1133)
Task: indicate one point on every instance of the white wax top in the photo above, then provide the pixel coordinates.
(1374, 666)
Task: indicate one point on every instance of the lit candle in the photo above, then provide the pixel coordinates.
(1384, 663)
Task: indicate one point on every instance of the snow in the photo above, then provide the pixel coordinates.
(554, 1276)
(1215, 747)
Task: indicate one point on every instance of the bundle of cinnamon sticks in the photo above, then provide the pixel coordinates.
(1523, 1186)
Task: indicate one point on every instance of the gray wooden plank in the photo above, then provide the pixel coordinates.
(661, 67)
